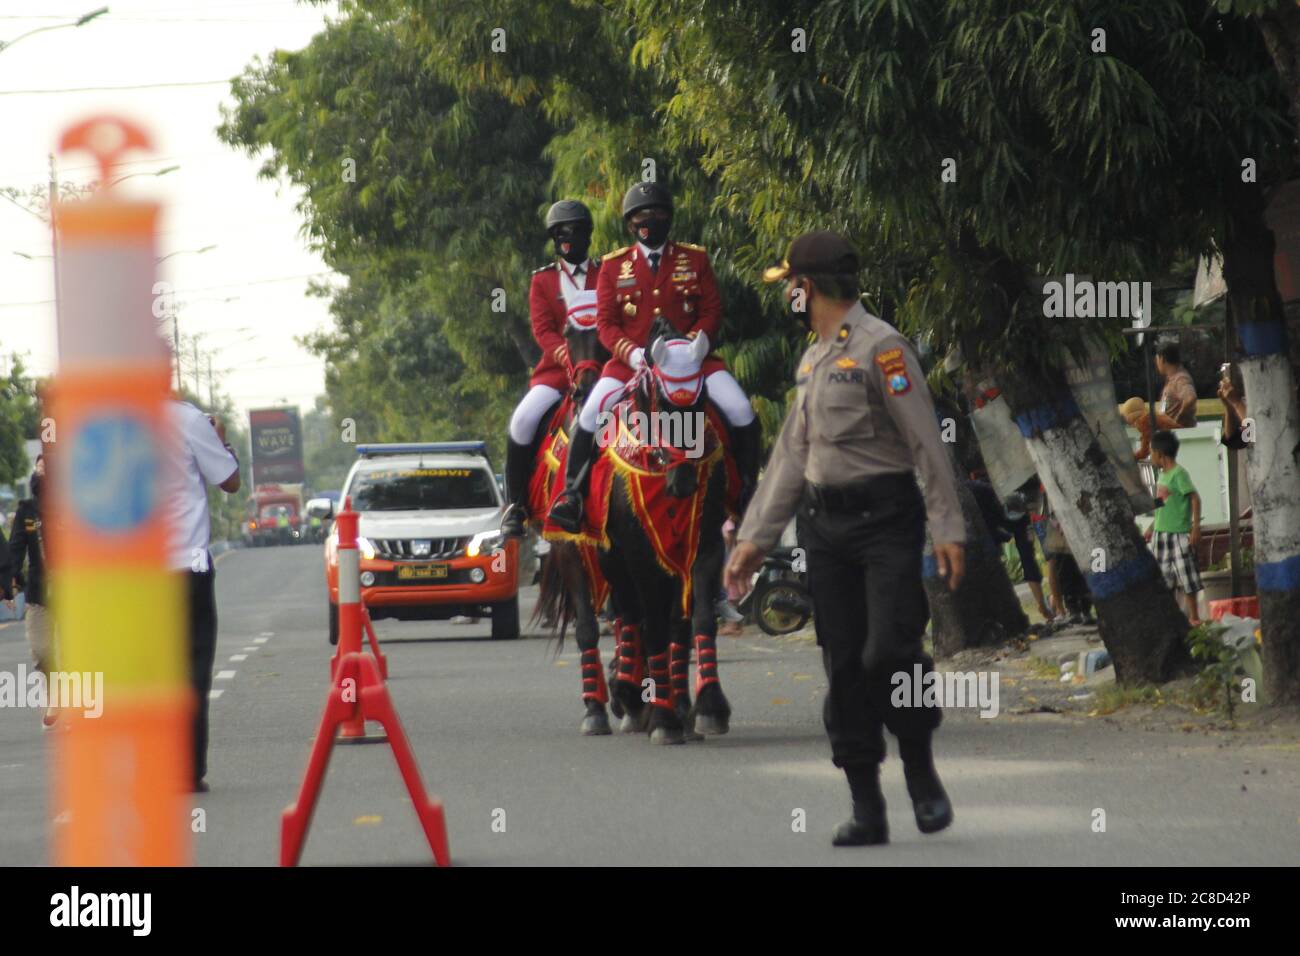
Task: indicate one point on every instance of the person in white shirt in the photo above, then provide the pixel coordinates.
(203, 457)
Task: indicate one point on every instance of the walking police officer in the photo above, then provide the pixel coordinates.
(861, 424)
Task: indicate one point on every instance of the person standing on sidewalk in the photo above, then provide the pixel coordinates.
(861, 424)
(204, 458)
(27, 550)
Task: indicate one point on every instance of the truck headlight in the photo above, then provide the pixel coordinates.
(485, 542)
(367, 578)
(366, 548)
(476, 575)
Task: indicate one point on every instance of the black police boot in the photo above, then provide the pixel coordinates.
(566, 512)
(746, 446)
(929, 801)
(519, 468)
(868, 825)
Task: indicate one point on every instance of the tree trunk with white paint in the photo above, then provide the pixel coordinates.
(1273, 454)
(1141, 625)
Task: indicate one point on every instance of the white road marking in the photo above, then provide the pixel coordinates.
(224, 675)
(259, 640)
(236, 658)
(251, 648)
(214, 694)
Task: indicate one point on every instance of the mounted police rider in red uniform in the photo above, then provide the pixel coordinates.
(652, 278)
(559, 289)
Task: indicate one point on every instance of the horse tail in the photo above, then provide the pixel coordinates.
(554, 600)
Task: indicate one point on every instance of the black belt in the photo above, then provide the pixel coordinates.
(860, 496)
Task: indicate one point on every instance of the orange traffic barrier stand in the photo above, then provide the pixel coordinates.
(357, 694)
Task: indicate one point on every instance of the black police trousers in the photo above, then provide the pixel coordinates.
(202, 641)
(864, 570)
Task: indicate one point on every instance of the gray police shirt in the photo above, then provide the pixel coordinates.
(861, 409)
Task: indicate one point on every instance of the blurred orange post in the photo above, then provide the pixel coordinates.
(120, 777)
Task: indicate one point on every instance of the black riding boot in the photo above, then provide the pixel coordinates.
(519, 469)
(867, 826)
(746, 446)
(929, 801)
(567, 510)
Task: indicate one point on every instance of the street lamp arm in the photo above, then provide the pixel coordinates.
(80, 21)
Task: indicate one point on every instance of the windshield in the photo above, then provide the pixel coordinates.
(419, 489)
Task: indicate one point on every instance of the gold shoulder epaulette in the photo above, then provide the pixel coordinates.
(692, 246)
(545, 268)
(615, 254)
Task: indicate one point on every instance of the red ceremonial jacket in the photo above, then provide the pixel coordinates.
(549, 316)
(629, 297)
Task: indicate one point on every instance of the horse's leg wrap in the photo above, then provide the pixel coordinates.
(660, 680)
(631, 667)
(593, 677)
(706, 661)
(679, 667)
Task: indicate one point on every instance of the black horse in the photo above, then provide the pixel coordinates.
(570, 581)
(656, 634)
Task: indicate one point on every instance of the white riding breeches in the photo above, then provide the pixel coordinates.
(723, 390)
(588, 418)
(528, 413)
(726, 393)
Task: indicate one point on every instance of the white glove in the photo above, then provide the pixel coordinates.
(636, 359)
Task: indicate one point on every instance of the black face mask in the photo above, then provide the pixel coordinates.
(652, 232)
(572, 242)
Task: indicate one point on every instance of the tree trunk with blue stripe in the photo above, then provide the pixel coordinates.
(1273, 458)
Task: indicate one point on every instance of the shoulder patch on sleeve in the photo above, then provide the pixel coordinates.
(893, 368)
(615, 254)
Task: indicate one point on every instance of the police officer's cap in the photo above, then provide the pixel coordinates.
(816, 253)
(644, 196)
(567, 210)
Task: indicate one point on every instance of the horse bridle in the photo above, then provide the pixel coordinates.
(666, 457)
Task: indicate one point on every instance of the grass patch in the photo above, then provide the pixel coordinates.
(1108, 698)
(1042, 668)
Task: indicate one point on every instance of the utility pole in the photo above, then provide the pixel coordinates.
(54, 233)
(176, 347)
(212, 395)
(195, 343)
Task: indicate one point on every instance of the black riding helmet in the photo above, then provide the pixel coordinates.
(645, 195)
(567, 210)
(569, 224)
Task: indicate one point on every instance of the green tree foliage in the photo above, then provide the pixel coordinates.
(327, 456)
(458, 149)
(19, 421)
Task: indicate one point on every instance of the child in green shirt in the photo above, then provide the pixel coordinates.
(1177, 527)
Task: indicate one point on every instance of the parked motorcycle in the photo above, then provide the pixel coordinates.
(779, 602)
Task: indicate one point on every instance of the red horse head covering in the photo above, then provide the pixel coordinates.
(677, 368)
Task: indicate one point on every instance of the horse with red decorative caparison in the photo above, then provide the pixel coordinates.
(662, 484)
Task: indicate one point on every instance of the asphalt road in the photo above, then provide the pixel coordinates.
(495, 729)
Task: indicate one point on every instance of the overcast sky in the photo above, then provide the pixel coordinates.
(214, 198)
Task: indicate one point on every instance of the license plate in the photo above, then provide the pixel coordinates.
(421, 572)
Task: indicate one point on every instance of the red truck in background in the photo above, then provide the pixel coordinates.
(274, 515)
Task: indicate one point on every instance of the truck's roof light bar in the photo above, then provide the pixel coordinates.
(424, 448)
